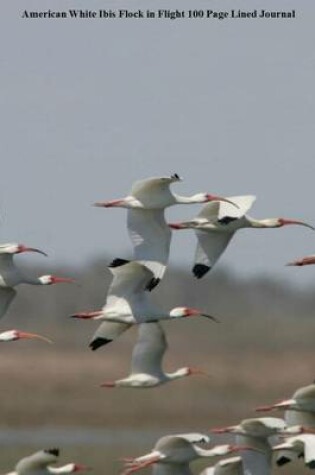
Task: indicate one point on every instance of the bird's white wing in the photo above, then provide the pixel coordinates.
(37, 461)
(244, 203)
(6, 297)
(306, 392)
(216, 210)
(309, 449)
(106, 333)
(229, 466)
(285, 456)
(144, 189)
(210, 246)
(148, 352)
(127, 289)
(256, 424)
(151, 238)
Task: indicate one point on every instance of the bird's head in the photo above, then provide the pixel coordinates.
(282, 405)
(180, 312)
(296, 430)
(13, 248)
(13, 335)
(52, 279)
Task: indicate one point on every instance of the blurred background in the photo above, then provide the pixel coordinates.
(87, 107)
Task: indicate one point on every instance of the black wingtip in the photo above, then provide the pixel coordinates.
(311, 464)
(227, 220)
(199, 270)
(282, 461)
(118, 262)
(152, 284)
(98, 342)
(52, 452)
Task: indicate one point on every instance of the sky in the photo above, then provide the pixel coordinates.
(89, 106)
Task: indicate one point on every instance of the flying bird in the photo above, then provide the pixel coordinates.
(216, 224)
(148, 230)
(172, 454)
(39, 464)
(302, 445)
(10, 275)
(146, 361)
(255, 433)
(128, 303)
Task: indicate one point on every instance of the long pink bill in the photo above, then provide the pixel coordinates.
(87, 315)
(286, 404)
(34, 336)
(13, 335)
(304, 261)
(198, 372)
(285, 221)
(239, 448)
(135, 466)
(108, 384)
(23, 248)
(221, 430)
(194, 312)
(60, 280)
(78, 467)
(220, 198)
(108, 204)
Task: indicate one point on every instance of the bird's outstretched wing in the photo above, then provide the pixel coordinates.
(209, 248)
(151, 238)
(127, 290)
(106, 333)
(217, 210)
(144, 189)
(149, 350)
(7, 294)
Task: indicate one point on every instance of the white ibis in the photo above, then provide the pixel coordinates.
(146, 361)
(10, 275)
(216, 224)
(229, 466)
(299, 413)
(127, 303)
(172, 454)
(255, 433)
(300, 409)
(302, 445)
(39, 464)
(147, 228)
(14, 335)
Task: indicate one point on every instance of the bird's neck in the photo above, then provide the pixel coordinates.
(180, 373)
(262, 223)
(64, 469)
(198, 198)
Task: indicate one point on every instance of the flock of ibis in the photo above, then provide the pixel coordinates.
(128, 303)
